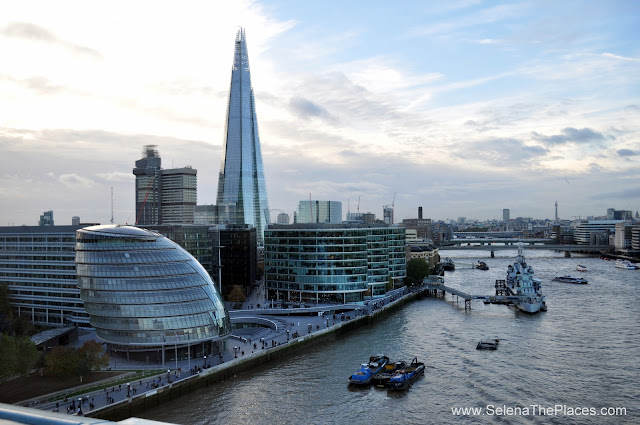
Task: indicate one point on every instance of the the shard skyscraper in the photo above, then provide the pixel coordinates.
(241, 181)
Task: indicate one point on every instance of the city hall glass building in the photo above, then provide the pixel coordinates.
(144, 293)
(328, 263)
(241, 181)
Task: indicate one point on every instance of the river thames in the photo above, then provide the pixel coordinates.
(577, 361)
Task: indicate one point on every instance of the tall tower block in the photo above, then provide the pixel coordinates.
(241, 181)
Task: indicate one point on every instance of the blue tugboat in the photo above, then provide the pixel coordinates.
(367, 370)
(404, 377)
(382, 378)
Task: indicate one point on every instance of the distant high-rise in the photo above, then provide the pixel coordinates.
(556, 210)
(241, 181)
(387, 214)
(313, 211)
(164, 196)
(46, 219)
(283, 218)
(505, 214)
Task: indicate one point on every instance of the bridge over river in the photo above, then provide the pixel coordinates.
(494, 244)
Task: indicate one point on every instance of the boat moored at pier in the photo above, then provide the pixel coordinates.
(448, 265)
(625, 264)
(521, 283)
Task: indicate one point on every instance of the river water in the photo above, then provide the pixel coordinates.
(584, 352)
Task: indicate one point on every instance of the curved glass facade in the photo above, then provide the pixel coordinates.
(141, 289)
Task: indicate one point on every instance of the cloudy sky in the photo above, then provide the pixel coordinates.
(462, 107)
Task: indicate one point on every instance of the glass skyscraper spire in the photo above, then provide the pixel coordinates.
(241, 181)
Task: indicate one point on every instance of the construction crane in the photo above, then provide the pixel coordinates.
(145, 199)
(111, 204)
(393, 205)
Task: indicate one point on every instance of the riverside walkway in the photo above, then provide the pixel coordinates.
(274, 328)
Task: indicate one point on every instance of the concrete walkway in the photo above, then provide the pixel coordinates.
(285, 325)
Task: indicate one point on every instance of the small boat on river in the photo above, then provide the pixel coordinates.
(402, 378)
(367, 370)
(481, 265)
(625, 264)
(488, 344)
(571, 279)
(581, 268)
(382, 378)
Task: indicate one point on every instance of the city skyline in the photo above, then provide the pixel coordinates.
(464, 109)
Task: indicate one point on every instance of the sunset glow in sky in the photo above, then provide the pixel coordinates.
(461, 107)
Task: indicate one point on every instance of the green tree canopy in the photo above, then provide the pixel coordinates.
(18, 356)
(236, 295)
(6, 312)
(28, 355)
(90, 357)
(417, 269)
(61, 361)
(8, 356)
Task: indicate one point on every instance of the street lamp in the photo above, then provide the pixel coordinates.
(176, 347)
(205, 362)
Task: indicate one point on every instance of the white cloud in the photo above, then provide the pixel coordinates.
(74, 181)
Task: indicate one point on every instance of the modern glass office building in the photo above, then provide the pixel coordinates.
(313, 211)
(37, 265)
(325, 263)
(241, 181)
(144, 293)
(164, 196)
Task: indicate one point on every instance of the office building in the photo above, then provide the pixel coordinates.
(506, 214)
(234, 247)
(387, 215)
(595, 232)
(283, 218)
(215, 214)
(145, 294)
(313, 211)
(623, 235)
(163, 196)
(46, 219)
(332, 262)
(242, 181)
(37, 263)
(635, 237)
(614, 214)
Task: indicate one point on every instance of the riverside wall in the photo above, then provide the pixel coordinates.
(208, 377)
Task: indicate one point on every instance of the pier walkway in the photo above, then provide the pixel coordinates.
(435, 284)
